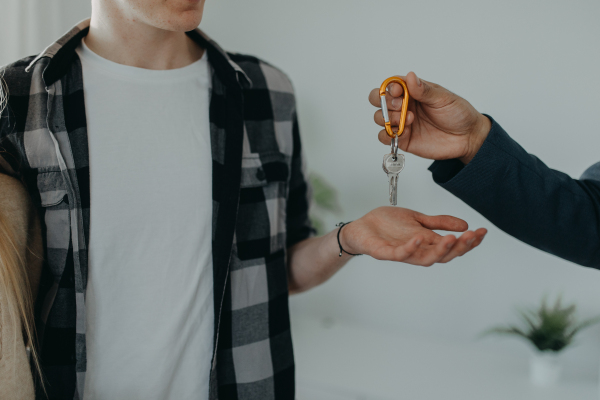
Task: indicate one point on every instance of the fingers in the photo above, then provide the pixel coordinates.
(402, 253)
(394, 118)
(398, 253)
(421, 90)
(435, 253)
(462, 245)
(374, 98)
(426, 254)
(402, 143)
(384, 137)
(467, 242)
(394, 91)
(425, 92)
(480, 235)
(442, 222)
(393, 103)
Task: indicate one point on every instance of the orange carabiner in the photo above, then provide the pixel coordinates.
(386, 118)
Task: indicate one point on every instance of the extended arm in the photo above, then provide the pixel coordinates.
(482, 165)
(522, 196)
(386, 233)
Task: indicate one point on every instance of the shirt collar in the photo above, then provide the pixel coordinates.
(61, 52)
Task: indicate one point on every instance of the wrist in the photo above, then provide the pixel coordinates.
(476, 138)
(345, 246)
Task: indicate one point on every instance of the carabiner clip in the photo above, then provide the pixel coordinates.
(404, 112)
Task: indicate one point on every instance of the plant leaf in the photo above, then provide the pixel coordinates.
(584, 324)
(318, 224)
(324, 194)
(511, 330)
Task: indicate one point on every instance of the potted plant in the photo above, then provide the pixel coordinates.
(550, 330)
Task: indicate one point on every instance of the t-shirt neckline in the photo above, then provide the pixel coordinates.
(112, 67)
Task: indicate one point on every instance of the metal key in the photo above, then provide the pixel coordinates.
(393, 164)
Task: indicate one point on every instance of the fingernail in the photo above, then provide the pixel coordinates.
(449, 245)
(470, 241)
(397, 103)
(418, 80)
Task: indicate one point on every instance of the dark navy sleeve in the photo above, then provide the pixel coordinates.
(519, 194)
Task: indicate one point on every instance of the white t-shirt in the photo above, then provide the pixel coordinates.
(149, 304)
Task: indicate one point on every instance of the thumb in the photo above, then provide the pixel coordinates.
(423, 91)
(442, 222)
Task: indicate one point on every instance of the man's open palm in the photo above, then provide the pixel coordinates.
(399, 234)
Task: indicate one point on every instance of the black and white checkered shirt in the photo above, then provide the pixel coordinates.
(260, 208)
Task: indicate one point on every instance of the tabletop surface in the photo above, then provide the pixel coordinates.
(343, 362)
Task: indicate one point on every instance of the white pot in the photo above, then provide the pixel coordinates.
(545, 368)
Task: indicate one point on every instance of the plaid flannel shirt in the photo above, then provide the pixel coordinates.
(260, 208)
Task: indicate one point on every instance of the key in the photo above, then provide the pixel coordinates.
(393, 165)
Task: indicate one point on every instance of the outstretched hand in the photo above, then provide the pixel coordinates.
(399, 234)
(440, 125)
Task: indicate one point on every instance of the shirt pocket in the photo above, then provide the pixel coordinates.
(261, 169)
(261, 227)
(56, 219)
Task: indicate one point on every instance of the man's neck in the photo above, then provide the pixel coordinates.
(134, 43)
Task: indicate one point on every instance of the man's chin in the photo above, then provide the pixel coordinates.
(184, 22)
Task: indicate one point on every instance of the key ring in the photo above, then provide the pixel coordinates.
(395, 147)
(403, 113)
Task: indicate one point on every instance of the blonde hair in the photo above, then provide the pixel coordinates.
(14, 281)
(15, 286)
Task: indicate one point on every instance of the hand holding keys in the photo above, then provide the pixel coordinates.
(393, 163)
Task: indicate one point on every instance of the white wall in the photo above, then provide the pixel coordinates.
(28, 26)
(532, 65)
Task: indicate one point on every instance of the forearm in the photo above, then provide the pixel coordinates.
(313, 261)
(522, 196)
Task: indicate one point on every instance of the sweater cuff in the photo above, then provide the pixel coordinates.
(449, 171)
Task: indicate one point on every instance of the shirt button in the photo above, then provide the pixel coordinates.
(260, 174)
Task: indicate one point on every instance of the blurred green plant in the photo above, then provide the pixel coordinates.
(325, 201)
(547, 328)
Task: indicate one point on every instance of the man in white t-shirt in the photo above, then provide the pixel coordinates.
(170, 179)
